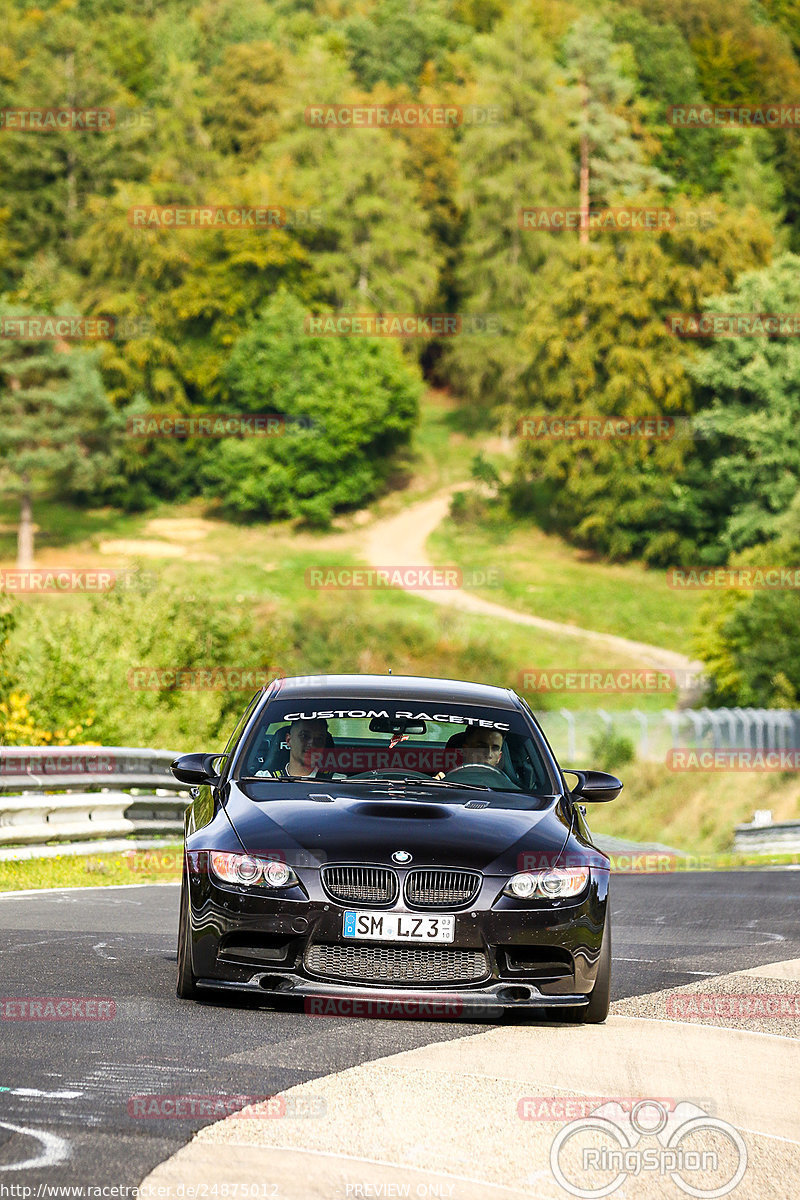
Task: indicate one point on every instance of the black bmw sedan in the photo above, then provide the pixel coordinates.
(364, 838)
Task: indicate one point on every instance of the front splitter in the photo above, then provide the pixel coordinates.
(494, 998)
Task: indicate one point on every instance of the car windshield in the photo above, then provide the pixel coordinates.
(441, 746)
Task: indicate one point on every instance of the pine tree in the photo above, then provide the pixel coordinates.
(611, 160)
(57, 425)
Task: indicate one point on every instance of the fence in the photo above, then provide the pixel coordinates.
(85, 793)
(571, 734)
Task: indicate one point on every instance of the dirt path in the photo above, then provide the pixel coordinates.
(400, 540)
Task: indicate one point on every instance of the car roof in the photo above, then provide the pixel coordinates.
(392, 687)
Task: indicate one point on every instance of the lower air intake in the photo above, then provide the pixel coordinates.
(396, 964)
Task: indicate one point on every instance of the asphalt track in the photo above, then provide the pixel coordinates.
(70, 1083)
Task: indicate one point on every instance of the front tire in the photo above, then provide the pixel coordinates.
(596, 1011)
(187, 983)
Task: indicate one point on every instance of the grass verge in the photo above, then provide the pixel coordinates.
(129, 866)
(539, 574)
(694, 811)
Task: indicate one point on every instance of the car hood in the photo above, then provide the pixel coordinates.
(369, 823)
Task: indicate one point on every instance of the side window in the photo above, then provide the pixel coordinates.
(237, 733)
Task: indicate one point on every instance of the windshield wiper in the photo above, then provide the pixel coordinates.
(421, 783)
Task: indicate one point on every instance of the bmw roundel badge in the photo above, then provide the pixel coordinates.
(401, 856)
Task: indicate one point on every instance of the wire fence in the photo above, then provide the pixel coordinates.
(574, 736)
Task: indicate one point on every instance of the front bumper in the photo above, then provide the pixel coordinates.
(536, 956)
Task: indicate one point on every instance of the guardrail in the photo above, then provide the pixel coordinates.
(87, 793)
(768, 837)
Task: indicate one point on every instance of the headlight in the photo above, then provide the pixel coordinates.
(561, 883)
(247, 870)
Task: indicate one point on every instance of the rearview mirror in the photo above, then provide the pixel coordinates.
(395, 725)
(196, 769)
(595, 786)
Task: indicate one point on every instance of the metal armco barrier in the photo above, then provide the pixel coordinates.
(782, 837)
(80, 793)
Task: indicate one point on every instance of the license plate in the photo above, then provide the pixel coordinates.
(399, 927)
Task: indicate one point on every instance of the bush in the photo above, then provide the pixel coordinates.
(349, 404)
(611, 750)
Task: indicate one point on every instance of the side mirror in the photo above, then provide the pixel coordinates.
(595, 786)
(196, 769)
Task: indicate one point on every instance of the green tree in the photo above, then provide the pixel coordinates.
(598, 346)
(59, 61)
(748, 422)
(747, 640)
(350, 405)
(393, 42)
(517, 161)
(57, 425)
(611, 160)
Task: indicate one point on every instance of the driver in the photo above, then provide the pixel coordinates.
(482, 747)
(477, 747)
(306, 741)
